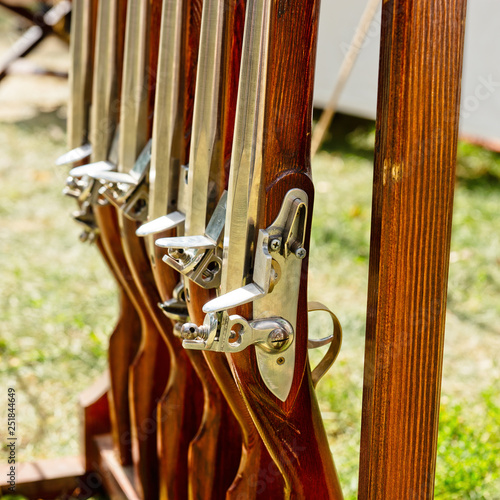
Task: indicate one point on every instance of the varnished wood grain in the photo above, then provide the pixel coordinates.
(152, 69)
(148, 376)
(149, 369)
(214, 453)
(180, 406)
(94, 405)
(416, 142)
(139, 370)
(138, 373)
(216, 446)
(292, 430)
(246, 480)
(123, 347)
(257, 476)
(124, 340)
(93, 6)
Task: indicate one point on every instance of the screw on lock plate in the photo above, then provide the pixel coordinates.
(274, 286)
(272, 335)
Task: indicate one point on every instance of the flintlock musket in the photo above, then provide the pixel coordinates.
(217, 443)
(124, 342)
(138, 380)
(260, 318)
(181, 474)
(150, 368)
(179, 188)
(92, 29)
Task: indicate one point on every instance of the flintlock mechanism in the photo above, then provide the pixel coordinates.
(272, 266)
(259, 319)
(273, 290)
(228, 199)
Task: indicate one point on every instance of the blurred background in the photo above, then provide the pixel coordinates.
(58, 302)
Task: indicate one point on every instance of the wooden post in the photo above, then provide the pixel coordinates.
(416, 143)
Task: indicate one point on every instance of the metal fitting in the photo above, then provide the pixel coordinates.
(300, 253)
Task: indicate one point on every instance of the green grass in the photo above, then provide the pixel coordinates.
(57, 298)
(469, 446)
(58, 302)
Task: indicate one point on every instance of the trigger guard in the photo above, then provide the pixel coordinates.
(335, 341)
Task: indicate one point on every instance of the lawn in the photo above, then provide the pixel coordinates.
(468, 463)
(58, 301)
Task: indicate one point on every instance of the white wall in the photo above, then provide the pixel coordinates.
(480, 115)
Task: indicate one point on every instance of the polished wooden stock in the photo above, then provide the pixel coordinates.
(123, 347)
(139, 362)
(125, 339)
(181, 404)
(153, 366)
(85, 79)
(257, 475)
(148, 369)
(187, 465)
(292, 430)
(214, 452)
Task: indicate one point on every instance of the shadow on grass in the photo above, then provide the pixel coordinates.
(349, 135)
(43, 121)
(477, 168)
(486, 182)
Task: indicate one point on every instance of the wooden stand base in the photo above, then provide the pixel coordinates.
(49, 479)
(117, 480)
(45, 478)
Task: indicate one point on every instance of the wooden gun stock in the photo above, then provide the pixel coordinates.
(90, 30)
(147, 371)
(214, 453)
(169, 451)
(292, 429)
(123, 347)
(256, 467)
(140, 380)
